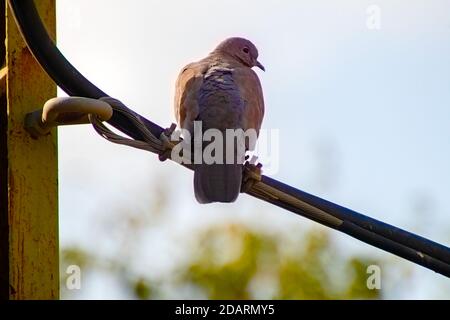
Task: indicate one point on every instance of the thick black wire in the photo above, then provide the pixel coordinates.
(384, 236)
(376, 240)
(386, 230)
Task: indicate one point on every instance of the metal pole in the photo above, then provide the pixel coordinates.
(29, 259)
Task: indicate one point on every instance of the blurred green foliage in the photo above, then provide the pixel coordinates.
(300, 273)
(234, 262)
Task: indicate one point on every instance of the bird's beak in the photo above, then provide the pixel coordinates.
(259, 65)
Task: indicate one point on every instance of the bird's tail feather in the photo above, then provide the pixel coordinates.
(221, 182)
(217, 182)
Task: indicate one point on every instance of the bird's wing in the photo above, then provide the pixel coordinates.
(187, 86)
(251, 92)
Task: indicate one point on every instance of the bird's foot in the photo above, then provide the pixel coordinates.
(167, 143)
(252, 173)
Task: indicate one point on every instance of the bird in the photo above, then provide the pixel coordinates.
(223, 92)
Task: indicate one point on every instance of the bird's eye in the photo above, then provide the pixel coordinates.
(246, 50)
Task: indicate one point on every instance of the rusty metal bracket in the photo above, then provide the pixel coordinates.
(65, 111)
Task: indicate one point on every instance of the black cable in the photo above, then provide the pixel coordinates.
(406, 238)
(374, 239)
(384, 236)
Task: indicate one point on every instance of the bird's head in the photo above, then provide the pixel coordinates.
(242, 50)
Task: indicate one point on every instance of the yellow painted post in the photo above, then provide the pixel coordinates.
(29, 259)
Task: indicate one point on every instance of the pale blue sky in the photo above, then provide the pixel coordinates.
(363, 114)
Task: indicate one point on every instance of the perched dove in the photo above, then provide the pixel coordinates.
(223, 92)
